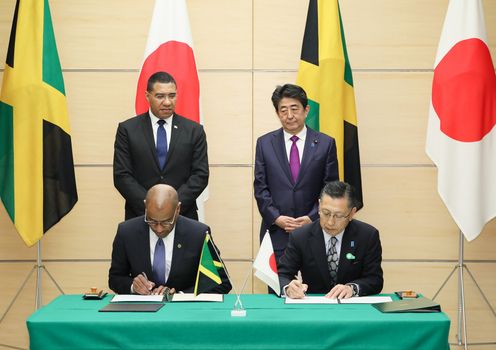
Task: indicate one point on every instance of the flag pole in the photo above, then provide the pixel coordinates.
(38, 297)
(238, 309)
(462, 316)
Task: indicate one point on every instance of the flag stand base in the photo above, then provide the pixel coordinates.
(462, 317)
(38, 267)
(238, 313)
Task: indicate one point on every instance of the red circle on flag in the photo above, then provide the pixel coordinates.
(272, 263)
(177, 59)
(464, 91)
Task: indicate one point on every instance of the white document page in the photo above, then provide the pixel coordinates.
(365, 300)
(136, 297)
(311, 300)
(324, 300)
(200, 297)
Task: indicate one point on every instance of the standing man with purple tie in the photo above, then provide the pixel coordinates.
(292, 164)
(160, 147)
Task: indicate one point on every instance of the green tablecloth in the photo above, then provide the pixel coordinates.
(69, 322)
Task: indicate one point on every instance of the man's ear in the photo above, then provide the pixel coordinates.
(352, 213)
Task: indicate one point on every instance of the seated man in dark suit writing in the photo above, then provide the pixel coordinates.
(337, 256)
(159, 249)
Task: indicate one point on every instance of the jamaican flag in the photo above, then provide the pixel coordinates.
(325, 74)
(208, 275)
(37, 182)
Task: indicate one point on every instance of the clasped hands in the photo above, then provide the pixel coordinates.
(143, 286)
(296, 289)
(289, 224)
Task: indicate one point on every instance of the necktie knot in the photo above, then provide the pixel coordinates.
(294, 138)
(334, 240)
(161, 122)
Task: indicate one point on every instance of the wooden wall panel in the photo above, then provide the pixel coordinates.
(404, 205)
(12, 246)
(227, 112)
(101, 34)
(392, 110)
(222, 33)
(228, 211)
(97, 102)
(88, 231)
(278, 30)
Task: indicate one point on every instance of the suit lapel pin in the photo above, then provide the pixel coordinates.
(352, 244)
(175, 126)
(179, 245)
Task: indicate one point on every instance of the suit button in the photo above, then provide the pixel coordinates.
(161, 177)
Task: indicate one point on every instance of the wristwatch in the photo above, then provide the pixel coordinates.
(354, 288)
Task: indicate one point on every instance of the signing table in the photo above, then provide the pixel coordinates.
(69, 322)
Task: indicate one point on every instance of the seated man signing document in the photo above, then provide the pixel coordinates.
(337, 256)
(160, 249)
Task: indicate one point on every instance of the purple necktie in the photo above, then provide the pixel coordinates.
(159, 263)
(294, 158)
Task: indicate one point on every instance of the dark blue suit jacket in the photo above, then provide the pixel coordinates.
(276, 192)
(131, 256)
(359, 261)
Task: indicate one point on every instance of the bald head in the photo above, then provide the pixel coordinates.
(162, 208)
(161, 196)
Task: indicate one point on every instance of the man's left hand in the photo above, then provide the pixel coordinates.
(160, 290)
(340, 291)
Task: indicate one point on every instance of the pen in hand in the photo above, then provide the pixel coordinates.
(149, 284)
(301, 285)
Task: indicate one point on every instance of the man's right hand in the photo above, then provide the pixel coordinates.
(287, 223)
(296, 289)
(141, 285)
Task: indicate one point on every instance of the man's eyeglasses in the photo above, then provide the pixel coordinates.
(336, 216)
(164, 223)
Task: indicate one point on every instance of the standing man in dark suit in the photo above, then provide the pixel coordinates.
(160, 147)
(337, 256)
(159, 249)
(292, 164)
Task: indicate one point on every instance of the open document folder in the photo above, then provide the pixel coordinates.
(409, 305)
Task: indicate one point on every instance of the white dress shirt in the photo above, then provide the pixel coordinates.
(167, 126)
(300, 143)
(169, 247)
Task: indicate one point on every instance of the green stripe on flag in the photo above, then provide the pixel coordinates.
(52, 71)
(312, 120)
(7, 158)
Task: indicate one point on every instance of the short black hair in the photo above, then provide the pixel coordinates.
(159, 77)
(340, 189)
(290, 91)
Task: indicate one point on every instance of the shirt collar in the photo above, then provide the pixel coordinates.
(154, 238)
(155, 119)
(301, 135)
(327, 236)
